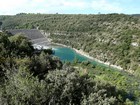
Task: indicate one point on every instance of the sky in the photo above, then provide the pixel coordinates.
(12, 7)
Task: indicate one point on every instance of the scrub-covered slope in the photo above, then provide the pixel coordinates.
(31, 78)
(113, 38)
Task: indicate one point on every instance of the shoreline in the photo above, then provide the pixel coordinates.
(105, 63)
(81, 52)
(90, 57)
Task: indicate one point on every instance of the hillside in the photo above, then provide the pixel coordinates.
(113, 38)
(30, 78)
(29, 33)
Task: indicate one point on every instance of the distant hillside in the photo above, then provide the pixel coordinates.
(137, 15)
(113, 38)
(29, 33)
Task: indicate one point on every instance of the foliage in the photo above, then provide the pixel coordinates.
(27, 77)
(128, 83)
(60, 87)
(41, 79)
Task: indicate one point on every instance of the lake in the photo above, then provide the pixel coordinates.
(68, 54)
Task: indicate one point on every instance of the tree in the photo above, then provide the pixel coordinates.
(22, 88)
(0, 23)
(20, 45)
(4, 45)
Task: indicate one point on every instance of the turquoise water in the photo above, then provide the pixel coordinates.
(68, 54)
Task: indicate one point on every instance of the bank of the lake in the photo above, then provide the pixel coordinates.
(90, 58)
(86, 56)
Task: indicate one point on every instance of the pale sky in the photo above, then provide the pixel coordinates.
(12, 7)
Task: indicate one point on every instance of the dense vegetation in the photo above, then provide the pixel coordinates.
(121, 80)
(29, 76)
(32, 77)
(110, 38)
